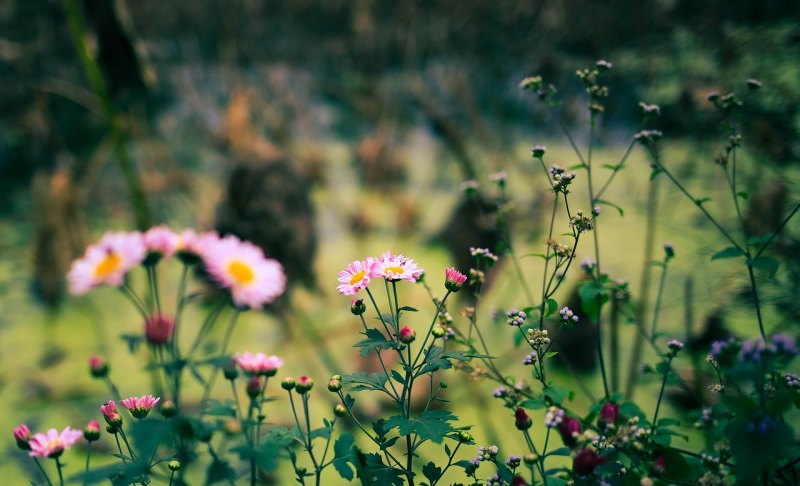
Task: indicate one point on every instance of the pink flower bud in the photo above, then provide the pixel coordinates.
(522, 420)
(454, 280)
(254, 387)
(609, 413)
(407, 335)
(304, 384)
(586, 462)
(109, 411)
(92, 431)
(23, 435)
(570, 429)
(158, 329)
(98, 367)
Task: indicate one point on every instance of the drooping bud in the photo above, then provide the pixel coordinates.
(522, 420)
(406, 335)
(304, 384)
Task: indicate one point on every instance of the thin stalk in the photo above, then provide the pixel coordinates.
(127, 444)
(44, 473)
(60, 474)
(153, 281)
(225, 342)
(757, 302)
(449, 463)
(657, 309)
(776, 232)
(137, 302)
(661, 392)
(532, 448)
(618, 168)
(86, 470)
(309, 446)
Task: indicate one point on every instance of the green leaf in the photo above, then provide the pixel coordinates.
(743, 195)
(766, 263)
(280, 436)
(375, 341)
(591, 295)
(408, 308)
(701, 201)
(613, 168)
(219, 471)
(430, 425)
(538, 403)
(552, 306)
(439, 359)
(666, 422)
(432, 472)
(133, 341)
(372, 471)
(223, 409)
(675, 466)
(760, 239)
(550, 354)
(758, 449)
(729, 252)
(562, 451)
(609, 203)
(558, 394)
(343, 454)
(365, 381)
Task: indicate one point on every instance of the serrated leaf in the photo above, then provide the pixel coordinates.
(439, 359)
(375, 341)
(365, 381)
(729, 252)
(219, 471)
(343, 454)
(430, 425)
(372, 470)
(280, 436)
(432, 472)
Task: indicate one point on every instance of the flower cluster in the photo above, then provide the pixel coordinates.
(258, 364)
(538, 338)
(567, 314)
(233, 264)
(515, 317)
(358, 274)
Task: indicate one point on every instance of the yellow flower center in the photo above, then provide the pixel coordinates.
(241, 272)
(357, 277)
(109, 265)
(394, 270)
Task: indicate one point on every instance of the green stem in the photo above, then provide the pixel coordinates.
(60, 474)
(86, 470)
(661, 392)
(137, 302)
(657, 308)
(44, 473)
(225, 342)
(757, 302)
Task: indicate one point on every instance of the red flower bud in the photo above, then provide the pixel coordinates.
(569, 429)
(158, 329)
(586, 462)
(522, 420)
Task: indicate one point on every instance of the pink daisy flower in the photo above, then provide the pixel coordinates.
(23, 435)
(241, 267)
(106, 262)
(258, 364)
(139, 407)
(192, 244)
(161, 240)
(397, 267)
(356, 276)
(453, 279)
(53, 444)
(109, 411)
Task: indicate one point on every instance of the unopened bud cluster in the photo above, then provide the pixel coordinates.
(538, 337)
(515, 317)
(567, 314)
(487, 453)
(648, 136)
(483, 255)
(559, 250)
(792, 381)
(581, 222)
(561, 179)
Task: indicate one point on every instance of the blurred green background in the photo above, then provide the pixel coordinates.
(332, 130)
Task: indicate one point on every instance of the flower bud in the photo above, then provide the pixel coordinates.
(336, 377)
(442, 384)
(586, 462)
(109, 411)
(538, 151)
(669, 251)
(453, 279)
(340, 410)
(23, 435)
(530, 458)
(254, 387)
(288, 383)
(407, 335)
(674, 346)
(570, 429)
(168, 409)
(232, 427)
(609, 413)
(174, 465)
(98, 367)
(334, 385)
(304, 384)
(438, 332)
(230, 372)
(301, 471)
(92, 431)
(522, 420)
(465, 436)
(358, 307)
(158, 329)
(753, 84)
